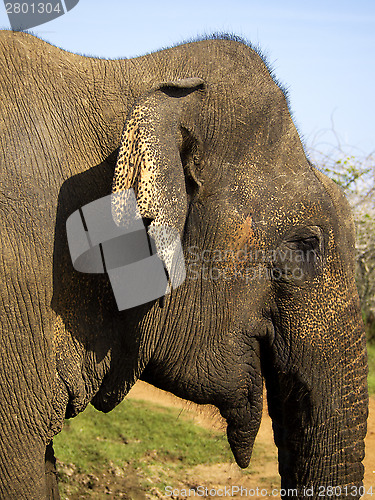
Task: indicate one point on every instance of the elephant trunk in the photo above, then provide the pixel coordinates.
(320, 423)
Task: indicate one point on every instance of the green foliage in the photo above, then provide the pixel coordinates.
(371, 364)
(345, 171)
(369, 321)
(365, 269)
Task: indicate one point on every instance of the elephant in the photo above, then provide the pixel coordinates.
(202, 134)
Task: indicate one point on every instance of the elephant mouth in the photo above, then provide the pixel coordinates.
(243, 411)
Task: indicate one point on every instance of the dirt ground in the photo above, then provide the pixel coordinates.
(260, 480)
(264, 468)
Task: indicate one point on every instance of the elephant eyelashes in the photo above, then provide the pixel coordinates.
(305, 244)
(306, 239)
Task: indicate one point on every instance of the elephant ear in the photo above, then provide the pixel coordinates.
(149, 161)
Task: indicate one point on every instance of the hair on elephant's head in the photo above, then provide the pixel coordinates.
(269, 249)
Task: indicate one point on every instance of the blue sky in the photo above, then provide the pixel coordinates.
(322, 51)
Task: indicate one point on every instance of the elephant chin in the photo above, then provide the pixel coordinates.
(243, 425)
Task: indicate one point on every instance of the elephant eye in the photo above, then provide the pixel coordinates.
(300, 256)
(311, 243)
(306, 239)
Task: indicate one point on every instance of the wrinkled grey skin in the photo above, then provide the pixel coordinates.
(228, 172)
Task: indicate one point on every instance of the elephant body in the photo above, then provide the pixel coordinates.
(203, 135)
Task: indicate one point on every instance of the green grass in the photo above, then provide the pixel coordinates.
(138, 435)
(371, 364)
(142, 440)
(133, 430)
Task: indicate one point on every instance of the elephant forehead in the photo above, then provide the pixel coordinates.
(285, 201)
(260, 210)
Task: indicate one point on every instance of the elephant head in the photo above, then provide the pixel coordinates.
(269, 252)
(217, 167)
